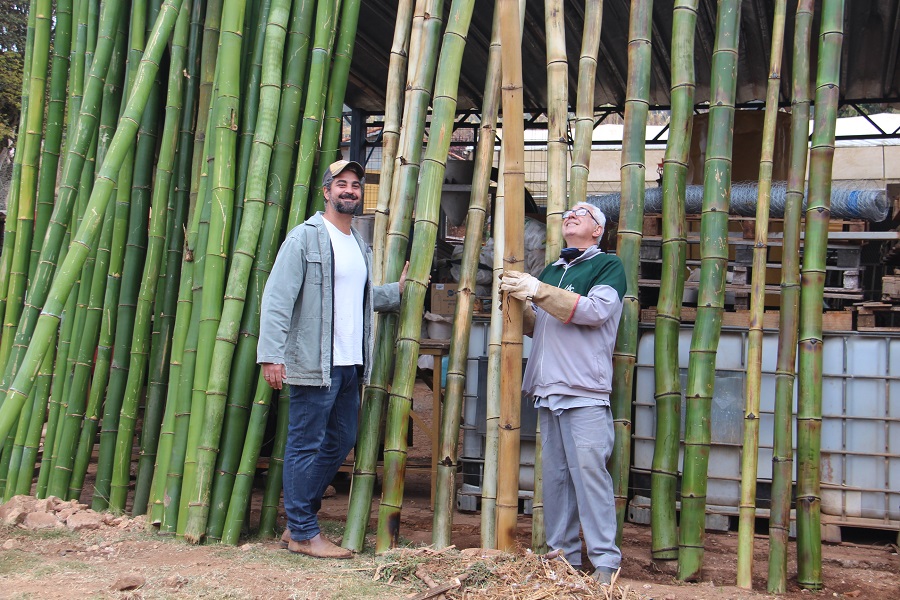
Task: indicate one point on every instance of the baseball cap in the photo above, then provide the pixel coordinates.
(338, 167)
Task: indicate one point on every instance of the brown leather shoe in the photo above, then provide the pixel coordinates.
(319, 547)
(285, 538)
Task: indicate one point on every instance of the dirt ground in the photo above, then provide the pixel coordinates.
(133, 562)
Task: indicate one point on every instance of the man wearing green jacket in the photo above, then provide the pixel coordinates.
(577, 303)
(316, 335)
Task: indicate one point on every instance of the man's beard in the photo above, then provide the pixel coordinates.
(346, 208)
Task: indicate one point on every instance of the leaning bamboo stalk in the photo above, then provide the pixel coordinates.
(153, 464)
(479, 203)
(782, 448)
(38, 291)
(492, 395)
(424, 237)
(240, 393)
(403, 193)
(71, 267)
(664, 474)
(243, 485)
(390, 132)
(628, 245)
(134, 178)
(818, 214)
(333, 119)
(514, 215)
(221, 182)
(152, 264)
(711, 301)
(56, 107)
(256, 22)
(29, 144)
(747, 520)
(326, 14)
(584, 102)
(242, 263)
(12, 199)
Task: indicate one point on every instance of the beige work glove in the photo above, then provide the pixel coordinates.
(559, 303)
(519, 285)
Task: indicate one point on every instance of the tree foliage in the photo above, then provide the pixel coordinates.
(13, 30)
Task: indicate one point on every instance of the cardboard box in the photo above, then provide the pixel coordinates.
(443, 298)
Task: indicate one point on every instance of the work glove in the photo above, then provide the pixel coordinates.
(557, 302)
(519, 285)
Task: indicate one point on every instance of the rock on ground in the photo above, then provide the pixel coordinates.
(40, 520)
(87, 519)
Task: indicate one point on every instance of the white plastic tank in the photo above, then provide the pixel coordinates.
(860, 467)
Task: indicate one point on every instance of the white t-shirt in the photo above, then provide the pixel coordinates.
(350, 277)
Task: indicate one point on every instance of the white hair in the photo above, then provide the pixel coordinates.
(597, 214)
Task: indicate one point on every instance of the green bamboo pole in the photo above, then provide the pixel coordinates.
(187, 320)
(238, 277)
(812, 281)
(33, 435)
(479, 203)
(711, 301)
(557, 200)
(326, 15)
(113, 97)
(243, 485)
(782, 451)
(222, 181)
(160, 371)
(101, 280)
(664, 474)
(244, 374)
(134, 177)
(29, 144)
(514, 207)
(187, 429)
(155, 250)
(557, 122)
(390, 132)
(153, 465)
(424, 237)
(167, 504)
(584, 104)
(12, 200)
(56, 108)
(333, 120)
(403, 193)
(492, 399)
(628, 245)
(38, 291)
(65, 450)
(257, 22)
(89, 314)
(272, 496)
(747, 520)
(71, 267)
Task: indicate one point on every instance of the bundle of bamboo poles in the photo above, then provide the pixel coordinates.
(130, 296)
(135, 254)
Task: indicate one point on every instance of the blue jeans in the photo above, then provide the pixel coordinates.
(321, 432)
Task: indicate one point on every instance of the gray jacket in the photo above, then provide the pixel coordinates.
(297, 312)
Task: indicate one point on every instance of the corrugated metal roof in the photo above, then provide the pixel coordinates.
(870, 70)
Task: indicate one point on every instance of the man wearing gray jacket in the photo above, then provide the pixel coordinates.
(316, 335)
(577, 304)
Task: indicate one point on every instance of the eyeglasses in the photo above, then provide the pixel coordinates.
(579, 212)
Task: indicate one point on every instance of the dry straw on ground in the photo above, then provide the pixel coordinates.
(491, 574)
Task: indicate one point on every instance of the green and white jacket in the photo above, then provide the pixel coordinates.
(296, 324)
(575, 358)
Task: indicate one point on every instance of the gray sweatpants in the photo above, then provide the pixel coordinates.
(577, 444)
